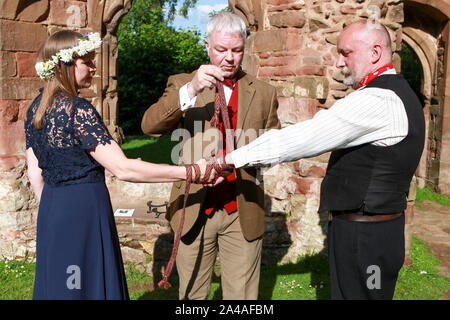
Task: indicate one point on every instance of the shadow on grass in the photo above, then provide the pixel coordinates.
(269, 288)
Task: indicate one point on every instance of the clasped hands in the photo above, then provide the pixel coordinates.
(213, 170)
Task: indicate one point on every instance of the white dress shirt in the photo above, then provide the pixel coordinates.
(186, 102)
(367, 115)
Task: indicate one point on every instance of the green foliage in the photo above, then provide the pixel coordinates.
(214, 12)
(140, 6)
(412, 70)
(149, 52)
(426, 193)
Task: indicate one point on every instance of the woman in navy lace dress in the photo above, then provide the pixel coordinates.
(67, 147)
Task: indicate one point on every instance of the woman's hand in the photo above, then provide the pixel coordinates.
(209, 176)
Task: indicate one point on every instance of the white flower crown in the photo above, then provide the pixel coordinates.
(88, 43)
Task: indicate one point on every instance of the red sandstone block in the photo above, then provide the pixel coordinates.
(309, 71)
(328, 60)
(280, 2)
(9, 162)
(12, 138)
(34, 12)
(7, 64)
(23, 109)
(294, 41)
(264, 55)
(21, 36)
(285, 19)
(303, 185)
(20, 88)
(9, 111)
(409, 212)
(8, 8)
(25, 64)
(265, 72)
(284, 7)
(308, 168)
(304, 108)
(293, 110)
(309, 52)
(68, 13)
(317, 60)
(347, 9)
(270, 40)
(276, 61)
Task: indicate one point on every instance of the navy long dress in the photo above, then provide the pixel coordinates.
(77, 247)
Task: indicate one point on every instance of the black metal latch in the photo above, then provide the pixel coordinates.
(154, 208)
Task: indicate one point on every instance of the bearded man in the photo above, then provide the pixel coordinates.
(376, 135)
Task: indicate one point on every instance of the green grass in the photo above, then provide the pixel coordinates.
(421, 281)
(16, 280)
(156, 150)
(307, 279)
(426, 193)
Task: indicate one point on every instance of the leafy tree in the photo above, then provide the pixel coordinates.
(214, 12)
(149, 52)
(412, 69)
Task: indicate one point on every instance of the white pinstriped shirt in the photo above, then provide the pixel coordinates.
(367, 115)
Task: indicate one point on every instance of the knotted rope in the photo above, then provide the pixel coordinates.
(221, 169)
(213, 163)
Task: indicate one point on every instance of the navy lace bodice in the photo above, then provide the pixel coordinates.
(62, 145)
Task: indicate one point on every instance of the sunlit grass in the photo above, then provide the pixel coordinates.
(156, 150)
(426, 193)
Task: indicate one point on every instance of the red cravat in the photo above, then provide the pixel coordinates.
(224, 194)
(375, 74)
(228, 82)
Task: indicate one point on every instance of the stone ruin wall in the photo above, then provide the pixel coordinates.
(291, 45)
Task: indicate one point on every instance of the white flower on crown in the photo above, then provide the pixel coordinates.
(66, 55)
(81, 50)
(88, 43)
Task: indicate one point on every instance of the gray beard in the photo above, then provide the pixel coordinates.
(349, 79)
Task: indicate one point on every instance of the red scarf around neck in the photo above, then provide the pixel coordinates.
(375, 74)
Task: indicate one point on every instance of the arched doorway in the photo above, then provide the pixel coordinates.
(426, 32)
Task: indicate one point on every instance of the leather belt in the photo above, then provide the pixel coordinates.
(362, 217)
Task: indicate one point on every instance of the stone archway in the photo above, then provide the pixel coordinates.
(426, 30)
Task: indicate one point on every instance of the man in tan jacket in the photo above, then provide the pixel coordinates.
(227, 218)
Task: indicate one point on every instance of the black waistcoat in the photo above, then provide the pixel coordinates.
(372, 178)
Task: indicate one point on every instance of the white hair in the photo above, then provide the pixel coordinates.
(226, 22)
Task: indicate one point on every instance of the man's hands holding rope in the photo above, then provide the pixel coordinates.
(210, 171)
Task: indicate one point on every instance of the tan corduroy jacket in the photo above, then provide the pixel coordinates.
(257, 110)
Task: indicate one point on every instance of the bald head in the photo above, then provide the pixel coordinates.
(363, 47)
(370, 33)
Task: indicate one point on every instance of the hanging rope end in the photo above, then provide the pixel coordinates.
(164, 284)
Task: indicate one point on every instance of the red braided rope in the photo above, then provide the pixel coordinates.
(164, 283)
(221, 169)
